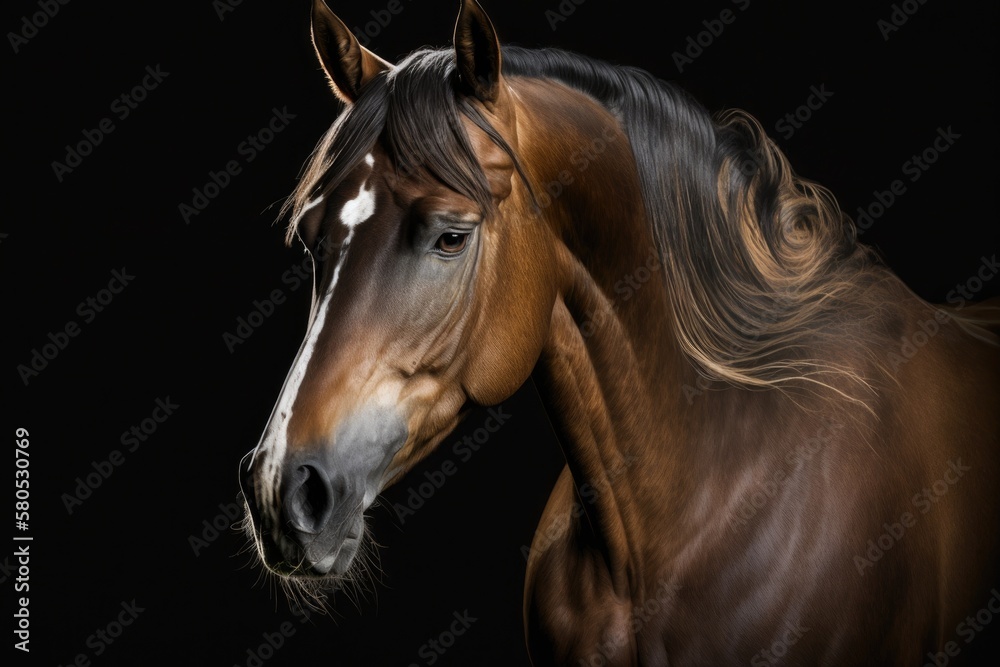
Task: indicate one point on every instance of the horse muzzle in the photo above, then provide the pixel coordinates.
(307, 509)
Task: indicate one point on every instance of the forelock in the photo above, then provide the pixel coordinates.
(415, 114)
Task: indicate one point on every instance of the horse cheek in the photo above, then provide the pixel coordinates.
(513, 333)
(504, 363)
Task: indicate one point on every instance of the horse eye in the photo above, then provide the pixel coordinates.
(451, 243)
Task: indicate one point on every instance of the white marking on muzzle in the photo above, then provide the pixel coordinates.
(275, 442)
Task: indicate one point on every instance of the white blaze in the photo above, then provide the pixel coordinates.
(353, 214)
(275, 441)
(358, 209)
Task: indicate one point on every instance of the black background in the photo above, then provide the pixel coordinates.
(162, 336)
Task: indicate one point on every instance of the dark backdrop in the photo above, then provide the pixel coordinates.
(216, 75)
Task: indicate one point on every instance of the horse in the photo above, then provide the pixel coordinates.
(775, 450)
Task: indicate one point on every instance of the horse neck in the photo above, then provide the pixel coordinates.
(610, 374)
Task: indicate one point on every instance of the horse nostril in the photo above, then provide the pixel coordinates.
(309, 499)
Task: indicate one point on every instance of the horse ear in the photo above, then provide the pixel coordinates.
(348, 64)
(478, 52)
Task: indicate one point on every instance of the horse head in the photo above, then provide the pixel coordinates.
(425, 299)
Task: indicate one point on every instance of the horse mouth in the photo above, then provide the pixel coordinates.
(281, 556)
(327, 557)
(326, 554)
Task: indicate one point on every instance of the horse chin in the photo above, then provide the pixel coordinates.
(331, 566)
(325, 561)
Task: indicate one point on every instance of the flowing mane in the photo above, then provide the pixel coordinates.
(759, 262)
